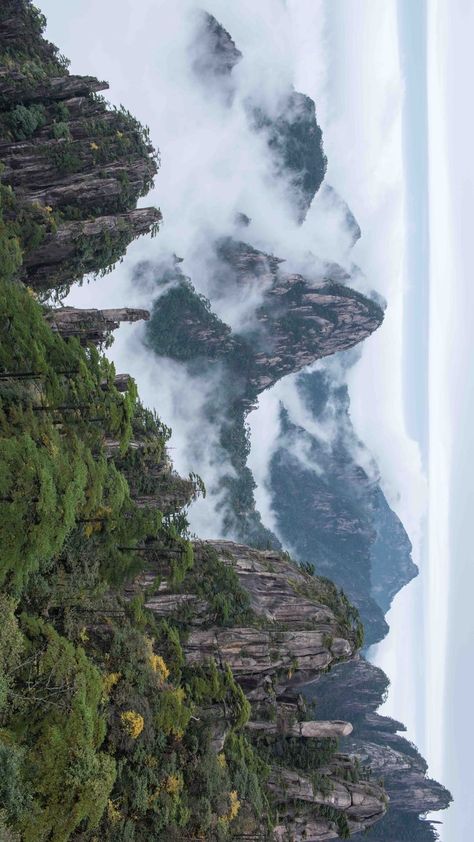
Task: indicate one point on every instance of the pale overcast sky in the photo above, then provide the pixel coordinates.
(354, 56)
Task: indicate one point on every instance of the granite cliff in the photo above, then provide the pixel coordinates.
(379, 742)
(79, 164)
(282, 628)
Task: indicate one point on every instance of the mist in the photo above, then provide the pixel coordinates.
(214, 166)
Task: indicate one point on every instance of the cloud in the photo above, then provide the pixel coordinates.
(214, 166)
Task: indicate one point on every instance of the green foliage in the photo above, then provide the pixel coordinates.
(218, 584)
(22, 121)
(182, 325)
(293, 753)
(249, 772)
(14, 794)
(30, 53)
(11, 646)
(58, 715)
(64, 156)
(22, 228)
(53, 471)
(61, 130)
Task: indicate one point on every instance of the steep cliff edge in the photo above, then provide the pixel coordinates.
(296, 322)
(279, 627)
(356, 690)
(288, 123)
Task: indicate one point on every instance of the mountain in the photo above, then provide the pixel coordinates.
(349, 530)
(376, 740)
(289, 125)
(325, 489)
(296, 322)
(152, 685)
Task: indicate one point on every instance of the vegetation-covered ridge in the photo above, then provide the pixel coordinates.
(116, 724)
(297, 322)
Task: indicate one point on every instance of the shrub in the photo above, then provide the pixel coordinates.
(24, 120)
(133, 723)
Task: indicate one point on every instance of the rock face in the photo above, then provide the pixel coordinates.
(363, 803)
(298, 321)
(78, 246)
(314, 730)
(94, 325)
(296, 627)
(214, 56)
(81, 164)
(356, 690)
(296, 143)
(302, 625)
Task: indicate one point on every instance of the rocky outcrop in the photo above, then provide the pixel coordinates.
(355, 690)
(214, 56)
(279, 591)
(298, 321)
(295, 141)
(254, 654)
(94, 326)
(301, 625)
(363, 803)
(318, 729)
(64, 152)
(18, 87)
(78, 247)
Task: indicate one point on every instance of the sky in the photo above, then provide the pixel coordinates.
(451, 199)
(391, 85)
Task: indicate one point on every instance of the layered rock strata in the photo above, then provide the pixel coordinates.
(90, 325)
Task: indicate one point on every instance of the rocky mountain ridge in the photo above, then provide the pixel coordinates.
(349, 526)
(377, 741)
(81, 165)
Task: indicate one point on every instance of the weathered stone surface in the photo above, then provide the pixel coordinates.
(276, 586)
(18, 87)
(52, 256)
(94, 326)
(363, 803)
(355, 690)
(308, 729)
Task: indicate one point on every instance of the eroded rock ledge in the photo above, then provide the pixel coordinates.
(296, 626)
